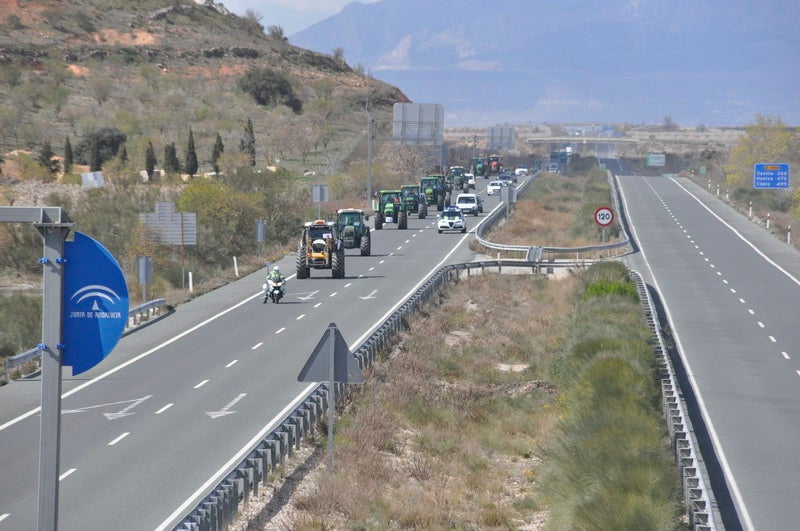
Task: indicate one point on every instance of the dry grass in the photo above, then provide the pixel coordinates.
(438, 437)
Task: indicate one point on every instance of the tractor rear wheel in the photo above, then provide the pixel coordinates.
(402, 219)
(337, 264)
(366, 244)
(423, 211)
(378, 220)
(300, 262)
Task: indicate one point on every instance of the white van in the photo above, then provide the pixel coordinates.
(469, 203)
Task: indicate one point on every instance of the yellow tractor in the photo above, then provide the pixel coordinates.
(320, 248)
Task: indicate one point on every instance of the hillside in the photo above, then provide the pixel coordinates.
(154, 69)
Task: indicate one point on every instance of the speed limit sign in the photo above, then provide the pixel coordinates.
(604, 216)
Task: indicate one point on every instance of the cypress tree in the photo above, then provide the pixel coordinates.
(171, 162)
(95, 164)
(123, 153)
(249, 142)
(68, 155)
(150, 159)
(219, 148)
(45, 157)
(191, 156)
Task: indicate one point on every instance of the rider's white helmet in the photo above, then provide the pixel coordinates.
(276, 269)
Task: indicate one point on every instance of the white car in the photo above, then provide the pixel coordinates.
(451, 219)
(521, 171)
(469, 204)
(494, 187)
(470, 180)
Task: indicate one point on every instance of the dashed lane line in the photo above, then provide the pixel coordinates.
(201, 384)
(118, 439)
(231, 364)
(67, 474)
(163, 409)
(256, 345)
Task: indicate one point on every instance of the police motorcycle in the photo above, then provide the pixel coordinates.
(274, 289)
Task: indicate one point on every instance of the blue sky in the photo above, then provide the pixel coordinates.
(291, 15)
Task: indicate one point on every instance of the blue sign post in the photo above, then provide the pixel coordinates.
(95, 303)
(771, 175)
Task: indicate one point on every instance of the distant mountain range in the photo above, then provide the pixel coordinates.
(696, 61)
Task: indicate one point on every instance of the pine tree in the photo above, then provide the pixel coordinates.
(191, 156)
(68, 155)
(248, 144)
(150, 160)
(171, 162)
(95, 163)
(123, 153)
(219, 148)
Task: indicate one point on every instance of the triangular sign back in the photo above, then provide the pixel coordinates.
(345, 365)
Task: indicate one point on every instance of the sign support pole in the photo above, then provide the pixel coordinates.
(331, 395)
(50, 427)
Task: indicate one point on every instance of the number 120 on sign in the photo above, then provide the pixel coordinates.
(604, 216)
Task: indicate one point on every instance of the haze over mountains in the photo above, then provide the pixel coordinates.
(697, 61)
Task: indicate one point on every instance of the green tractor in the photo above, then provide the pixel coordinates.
(353, 229)
(390, 210)
(414, 201)
(479, 167)
(320, 248)
(457, 179)
(433, 188)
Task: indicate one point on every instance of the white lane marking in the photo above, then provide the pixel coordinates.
(752, 246)
(317, 305)
(226, 410)
(701, 253)
(333, 294)
(300, 316)
(713, 266)
(751, 311)
(225, 468)
(231, 364)
(256, 345)
(360, 276)
(724, 281)
(143, 355)
(697, 247)
(118, 439)
(408, 241)
(414, 235)
(399, 247)
(371, 268)
(785, 355)
(348, 284)
(382, 261)
(726, 468)
(719, 273)
(741, 300)
(4, 516)
(66, 474)
(760, 324)
(706, 259)
(201, 384)
(772, 338)
(163, 409)
(421, 231)
(279, 330)
(733, 290)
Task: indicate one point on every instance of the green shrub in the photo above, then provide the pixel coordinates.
(604, 287)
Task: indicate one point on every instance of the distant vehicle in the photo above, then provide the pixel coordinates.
(508, 176)
(521, 171)
(495, 165)
(494, 187)
(470, 180)
(469, 204)
(451, 219)
(552, 167)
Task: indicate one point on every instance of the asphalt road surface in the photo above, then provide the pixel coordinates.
(731, 292)
(145, 430)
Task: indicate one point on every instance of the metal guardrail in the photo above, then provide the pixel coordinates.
(538, 253)
(695, 493)
(220, 505)
(136, 316)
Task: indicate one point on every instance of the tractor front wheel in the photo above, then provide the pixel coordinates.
(402, 220)
(378, 220)
(300, 262)
(337, 264)
(366, 244)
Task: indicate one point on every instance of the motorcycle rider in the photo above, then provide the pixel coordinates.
(274, 276)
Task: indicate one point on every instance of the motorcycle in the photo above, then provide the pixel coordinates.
(273, 290)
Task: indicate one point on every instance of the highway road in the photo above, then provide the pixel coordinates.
(731, 292)
(144, 431)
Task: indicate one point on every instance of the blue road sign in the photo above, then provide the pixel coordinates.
(771, 175)
(95, 303)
